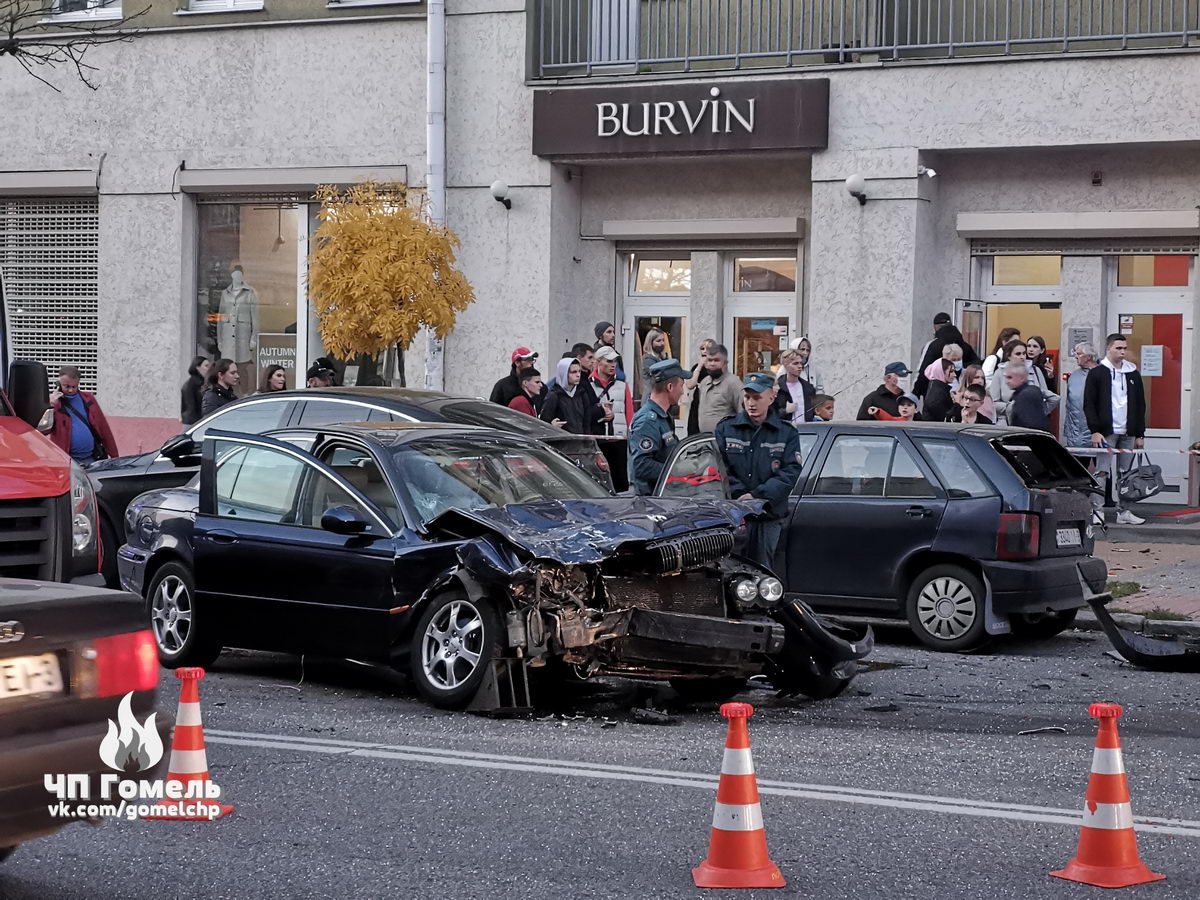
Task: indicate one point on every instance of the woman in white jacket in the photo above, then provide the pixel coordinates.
(997, 358)
(1001, 393)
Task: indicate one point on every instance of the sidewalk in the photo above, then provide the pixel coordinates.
(1164, 525)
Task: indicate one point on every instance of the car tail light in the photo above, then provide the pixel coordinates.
(125, 662)
(601, 462)
(1019, 536)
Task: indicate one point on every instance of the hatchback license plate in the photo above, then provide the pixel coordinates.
(1068, 537)
(22, 676)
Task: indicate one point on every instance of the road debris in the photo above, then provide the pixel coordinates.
(1056, 728)
(887, 707)
(645, 716)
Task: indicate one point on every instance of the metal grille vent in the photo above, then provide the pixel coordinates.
(677, 554)
(1084, 246)
(49, 260)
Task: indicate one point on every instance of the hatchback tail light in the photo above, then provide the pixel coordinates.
(125, 662)
(1019, 537)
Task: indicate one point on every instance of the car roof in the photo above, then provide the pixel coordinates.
(409, 396)
(394, 434)
(983, 431)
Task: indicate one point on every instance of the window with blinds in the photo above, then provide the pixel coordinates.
(49, 260)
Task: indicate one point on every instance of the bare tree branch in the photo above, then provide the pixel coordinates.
(34, 39)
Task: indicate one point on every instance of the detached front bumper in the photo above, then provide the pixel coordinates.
(1044, 585)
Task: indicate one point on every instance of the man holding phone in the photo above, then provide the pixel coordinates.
(80, 427)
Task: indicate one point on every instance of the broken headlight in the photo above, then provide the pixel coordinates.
(746, 589)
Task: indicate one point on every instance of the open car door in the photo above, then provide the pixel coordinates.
(288, 554)
(694, 471)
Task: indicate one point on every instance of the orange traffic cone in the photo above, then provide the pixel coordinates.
(737, 850)
(189, 763)
(1107, 854)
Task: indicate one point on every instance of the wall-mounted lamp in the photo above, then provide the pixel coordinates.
(926, 171)
(500, 194)
(857, 186)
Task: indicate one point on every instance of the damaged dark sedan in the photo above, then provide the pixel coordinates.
(469, 558)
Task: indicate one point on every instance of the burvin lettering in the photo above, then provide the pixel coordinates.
(673, 117)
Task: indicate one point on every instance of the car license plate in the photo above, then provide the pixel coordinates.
(22, 676)
(1069, 537)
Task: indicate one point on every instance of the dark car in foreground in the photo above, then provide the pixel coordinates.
(121, 479)
(965, 531)
(452, 552)
(68, 655)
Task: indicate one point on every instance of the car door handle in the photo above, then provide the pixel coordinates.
(221, 536)
(918, 512)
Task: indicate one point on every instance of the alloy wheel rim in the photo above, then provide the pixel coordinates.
(946, 608)
(452, 645)
(171, 614)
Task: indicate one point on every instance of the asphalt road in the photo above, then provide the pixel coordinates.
(915, 784)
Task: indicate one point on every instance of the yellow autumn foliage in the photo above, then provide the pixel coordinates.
(380, 270)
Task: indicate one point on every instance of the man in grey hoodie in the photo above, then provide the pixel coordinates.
(1114, 402)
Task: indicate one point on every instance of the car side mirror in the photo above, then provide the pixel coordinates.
(28, 389)
(343, 520)
(181, 450)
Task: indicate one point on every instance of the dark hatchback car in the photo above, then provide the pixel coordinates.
(965, 531)
(440, 549)
(68, 655)
(120, 480)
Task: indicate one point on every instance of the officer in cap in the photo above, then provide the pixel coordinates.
(652, 432)
(761, 453)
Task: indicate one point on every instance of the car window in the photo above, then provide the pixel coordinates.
(361, 469)
(856, 466)
(808, 442)
(1041, 462)
(493, 415)
(695, 473)
(906, 480)
(456, 473)
(247, 418)
(256, 484)
(959, 477)
(332, 412)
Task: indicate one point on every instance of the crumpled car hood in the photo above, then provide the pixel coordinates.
(589, 531)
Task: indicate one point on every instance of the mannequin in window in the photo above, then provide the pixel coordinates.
(237, 329)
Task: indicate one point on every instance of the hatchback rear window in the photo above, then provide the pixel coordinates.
(1042, 462)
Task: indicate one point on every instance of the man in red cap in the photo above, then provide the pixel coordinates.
(509, 387)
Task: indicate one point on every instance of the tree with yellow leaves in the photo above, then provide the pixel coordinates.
(380, 271)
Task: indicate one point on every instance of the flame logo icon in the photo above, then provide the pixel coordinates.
(132, 747)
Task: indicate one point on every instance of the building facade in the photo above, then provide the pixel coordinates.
(679, 166)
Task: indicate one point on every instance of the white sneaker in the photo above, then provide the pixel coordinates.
(1098, 518)
(1126, 517)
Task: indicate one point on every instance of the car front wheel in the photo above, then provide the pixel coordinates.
(945, 608)
(453, 644)
(171, 605)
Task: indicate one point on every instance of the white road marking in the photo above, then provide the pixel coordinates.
(833, 793)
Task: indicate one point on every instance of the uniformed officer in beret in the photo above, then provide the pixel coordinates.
(652, 432)
(762, 459)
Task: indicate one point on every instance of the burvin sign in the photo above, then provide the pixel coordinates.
(712, 114)
(682, 118)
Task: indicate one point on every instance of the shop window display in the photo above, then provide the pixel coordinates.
(249, 288)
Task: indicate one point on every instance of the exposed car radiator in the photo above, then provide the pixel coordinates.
(692, 592)
(677, 554)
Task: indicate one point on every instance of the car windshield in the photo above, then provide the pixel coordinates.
(492, 415)
(1041, 462)
(466, 474)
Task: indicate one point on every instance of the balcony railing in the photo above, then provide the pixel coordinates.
(604, 37)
